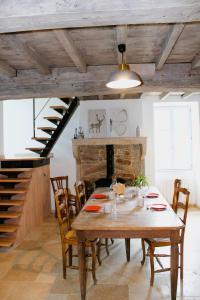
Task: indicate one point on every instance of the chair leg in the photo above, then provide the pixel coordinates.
(152, 249)
(181, 259)
(93, 248)
(112, 241)
(99, 252)
(127, 246)
(55, 211)
(64, 261)
(70, 253)
(106, 243)
(143, 252)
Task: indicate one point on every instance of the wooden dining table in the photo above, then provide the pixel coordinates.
(127, 221)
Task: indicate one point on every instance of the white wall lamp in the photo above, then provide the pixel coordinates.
(123, 78)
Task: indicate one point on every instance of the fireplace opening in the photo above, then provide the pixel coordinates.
(106, 182)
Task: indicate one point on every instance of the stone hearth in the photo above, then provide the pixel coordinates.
(91, 162)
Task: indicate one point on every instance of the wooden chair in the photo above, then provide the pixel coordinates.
(60, 183)
(81, 196)
(68, 236)
(177, 185)
(181, 208)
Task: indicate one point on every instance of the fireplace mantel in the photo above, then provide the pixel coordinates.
(76, 143)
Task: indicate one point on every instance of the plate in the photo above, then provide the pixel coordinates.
(152, 195)
(99, 196)
(92, 208)
(158, 207)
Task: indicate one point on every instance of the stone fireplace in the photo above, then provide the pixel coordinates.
(92, 157)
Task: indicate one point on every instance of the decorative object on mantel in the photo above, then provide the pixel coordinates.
(80, 133)
(75, 134)
(97, 123)
(118, 122)
(123, 78)
(138, 131)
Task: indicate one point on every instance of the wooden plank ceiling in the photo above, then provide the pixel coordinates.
(64, 48)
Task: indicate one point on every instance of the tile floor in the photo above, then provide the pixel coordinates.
(33, 271)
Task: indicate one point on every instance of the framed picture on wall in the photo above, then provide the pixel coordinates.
(97, 126)
(118, 122)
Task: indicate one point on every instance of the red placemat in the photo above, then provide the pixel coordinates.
(92, 208)
(158, 207)
(99, 196)
(152, 195)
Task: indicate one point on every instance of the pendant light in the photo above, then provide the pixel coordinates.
(123, 78)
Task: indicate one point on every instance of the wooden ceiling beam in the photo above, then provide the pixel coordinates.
(122, 95)
(36, 58)
(196, 61)
(185, 96)
(28, 50)
(51, 14)
(68, 44)
(164, 96)
(68, 82)
(169, 43)
(6, 70)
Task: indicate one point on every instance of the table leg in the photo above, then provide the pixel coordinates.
(82, 268)
(174, 264)
(127, 244)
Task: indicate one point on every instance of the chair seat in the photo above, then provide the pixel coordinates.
(70, 238)
(159, 242)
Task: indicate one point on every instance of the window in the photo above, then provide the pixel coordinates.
(173, 136)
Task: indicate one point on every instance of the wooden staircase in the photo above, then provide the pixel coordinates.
(66, 111)
(14, 183)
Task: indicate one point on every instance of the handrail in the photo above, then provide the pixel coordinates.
(42, 108)
(35, 117)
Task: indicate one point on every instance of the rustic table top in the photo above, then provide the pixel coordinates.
(128, 215)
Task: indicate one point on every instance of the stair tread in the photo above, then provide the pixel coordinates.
(53, 118)
(6, 242)
(58, 107)
(10, 214)
(15, 170)
(34, 148)
(8, 228)
(47, 128)
(41, 138)
(14, 180)
(13, 191)
(11, 202)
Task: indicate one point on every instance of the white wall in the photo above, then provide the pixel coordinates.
(133, 107)
(1, 130)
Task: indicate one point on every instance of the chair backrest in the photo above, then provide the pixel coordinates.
(59, 183)
(181, 207)
(63, 213)
(177, 185)
(80, 189)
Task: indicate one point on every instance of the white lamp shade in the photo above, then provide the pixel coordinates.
(124, 79)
